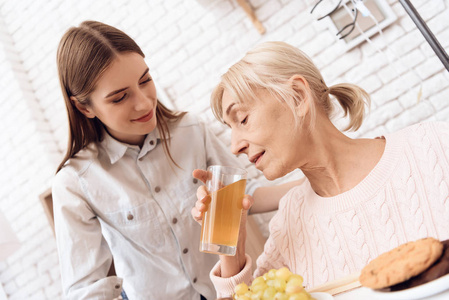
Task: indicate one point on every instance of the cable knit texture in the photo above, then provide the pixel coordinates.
(404, 198)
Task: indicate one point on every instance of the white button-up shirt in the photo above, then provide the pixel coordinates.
(115, 200)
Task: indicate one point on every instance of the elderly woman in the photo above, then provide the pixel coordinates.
(361, 197)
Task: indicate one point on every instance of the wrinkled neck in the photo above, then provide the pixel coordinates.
(337, 163)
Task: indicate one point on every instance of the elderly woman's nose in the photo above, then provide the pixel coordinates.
(238, 145)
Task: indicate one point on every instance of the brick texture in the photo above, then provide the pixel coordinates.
(188, 45)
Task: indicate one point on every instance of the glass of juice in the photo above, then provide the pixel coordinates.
(221, 221)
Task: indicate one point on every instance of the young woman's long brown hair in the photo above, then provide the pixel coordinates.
(84, 53)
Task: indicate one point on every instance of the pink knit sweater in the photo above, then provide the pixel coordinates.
(404, 198)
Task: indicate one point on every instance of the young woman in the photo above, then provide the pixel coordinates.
(123, 192)
(361, 197)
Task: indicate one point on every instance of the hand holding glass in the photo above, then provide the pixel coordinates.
(221, 221)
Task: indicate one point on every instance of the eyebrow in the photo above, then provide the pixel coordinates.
(228, 110)
(121, 90)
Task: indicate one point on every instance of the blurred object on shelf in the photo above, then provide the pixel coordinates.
(251, 14)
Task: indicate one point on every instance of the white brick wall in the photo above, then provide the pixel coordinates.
(188, 43)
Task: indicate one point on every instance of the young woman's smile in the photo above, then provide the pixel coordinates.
(145, 118)
(125, 99)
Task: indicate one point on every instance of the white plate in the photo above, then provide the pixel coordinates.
(424, 291)
(322, 296)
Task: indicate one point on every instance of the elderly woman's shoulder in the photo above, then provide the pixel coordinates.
(440, 128)
(433, 125)
(424, 135)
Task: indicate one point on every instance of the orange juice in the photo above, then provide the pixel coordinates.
(221, 221)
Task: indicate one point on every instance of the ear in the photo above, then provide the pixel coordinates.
(302, 90)
(85, 110)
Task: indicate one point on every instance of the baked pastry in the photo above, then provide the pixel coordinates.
(401, 263)
(437, 270)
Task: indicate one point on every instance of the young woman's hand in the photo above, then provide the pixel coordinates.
(203, 197)
(230, 265)
(201, 204)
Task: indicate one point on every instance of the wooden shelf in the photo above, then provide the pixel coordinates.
(252, 15)
(47, 203)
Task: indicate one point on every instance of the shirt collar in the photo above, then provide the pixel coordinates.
(116, 149)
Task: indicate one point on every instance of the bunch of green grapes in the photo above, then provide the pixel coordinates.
(278, 284)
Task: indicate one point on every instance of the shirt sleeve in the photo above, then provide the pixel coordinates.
(269, 259)
(225, 286)
(84, 255)
(218, 154)
(273, 256)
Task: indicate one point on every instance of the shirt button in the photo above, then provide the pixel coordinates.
(157, 189)
(175, 220)
(194, 280)
(130, 217)
(185, 250)
(151, 142)
(117, 286)
(195, 181)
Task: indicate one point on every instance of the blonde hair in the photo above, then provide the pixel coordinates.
(270, 66)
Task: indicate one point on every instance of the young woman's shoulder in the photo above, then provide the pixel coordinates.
(192, 123)
(82, 160)
(188, 119)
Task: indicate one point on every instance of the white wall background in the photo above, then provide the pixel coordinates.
(189, 44)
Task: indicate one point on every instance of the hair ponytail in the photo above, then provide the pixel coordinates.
(352, 99)
(270, 66)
